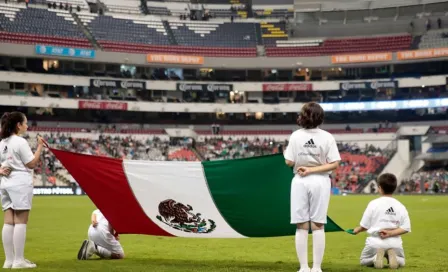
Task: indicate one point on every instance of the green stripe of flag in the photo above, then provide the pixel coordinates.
(253, 195)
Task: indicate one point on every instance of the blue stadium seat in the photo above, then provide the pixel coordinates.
(214, 34)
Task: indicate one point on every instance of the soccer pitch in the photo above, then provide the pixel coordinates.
(58, 226)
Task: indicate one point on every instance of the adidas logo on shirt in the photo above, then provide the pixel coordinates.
(390, 211)
(5, 150)
(310, 143)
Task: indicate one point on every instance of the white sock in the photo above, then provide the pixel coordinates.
(8, 244)
(19, 241)
(318, 248)
(302, 247)
(103, 253)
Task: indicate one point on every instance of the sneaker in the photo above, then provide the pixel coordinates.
(23, 264)
(378, 263)
(90, 250)
(82, 249)
(316, 270)
(304, 270)
(392, 258)
(7, 265)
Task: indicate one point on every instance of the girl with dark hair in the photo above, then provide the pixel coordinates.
(16, 186)
(313, 154)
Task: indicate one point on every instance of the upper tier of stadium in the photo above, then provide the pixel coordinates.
(153, 27)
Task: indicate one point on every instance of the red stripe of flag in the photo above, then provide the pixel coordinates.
(104, 181)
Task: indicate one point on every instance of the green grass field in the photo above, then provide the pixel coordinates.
(58, 225)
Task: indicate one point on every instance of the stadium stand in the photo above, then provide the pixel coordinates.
(216, 34)
(434, 181)
(74, 3)
(434, 39)
(33, 25)
(273, 32)
(441, 129)
(128, 29)
(352, 45)
(123, 6)
(160, 11)
(359, 165)
(273, 13)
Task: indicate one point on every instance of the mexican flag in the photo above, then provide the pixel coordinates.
(219, 199)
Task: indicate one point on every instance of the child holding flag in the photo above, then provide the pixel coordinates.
(313, 154)
(385, 220)
(103, 240)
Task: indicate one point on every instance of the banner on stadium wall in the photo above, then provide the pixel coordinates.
(185, 87)
(102, 105)
(373, 85)
(60, 190)
(357, 58)
(287, 87)
(174, 59)
(422, 54)
(123, 84)
(65, 51)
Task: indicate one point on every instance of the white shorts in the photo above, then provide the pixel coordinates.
(19, 197)
(368, 256)
(310, 197)
(105, 239)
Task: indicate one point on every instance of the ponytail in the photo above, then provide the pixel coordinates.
(9, 123)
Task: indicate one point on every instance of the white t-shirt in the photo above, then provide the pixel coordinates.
(15, 153)
(103, 224)
(311, 147)
(385, 213)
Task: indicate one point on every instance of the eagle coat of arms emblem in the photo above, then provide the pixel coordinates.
(182, 217)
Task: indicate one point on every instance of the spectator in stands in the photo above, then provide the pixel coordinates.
(434, 181)
(439, 23)
(428, 24)
(411, 26)
(78, 8)
(27, 2)
(54, 5)
(61, 6)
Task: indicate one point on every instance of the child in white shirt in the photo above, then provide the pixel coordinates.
(385, 220)
(103, 240)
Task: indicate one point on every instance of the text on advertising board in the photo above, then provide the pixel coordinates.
(374, 85)
(204, 87)
(60, 190)
(287, 87)
(102, 105)
(422, 54)
(356, 58)
(123, 84)
(65, 51)
(175, 59)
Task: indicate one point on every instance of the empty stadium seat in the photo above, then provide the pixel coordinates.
(126, 29)
(214, 34)
(40, 26)
(341, 46)
(434, 39)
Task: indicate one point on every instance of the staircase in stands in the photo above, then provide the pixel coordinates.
(86, 32)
